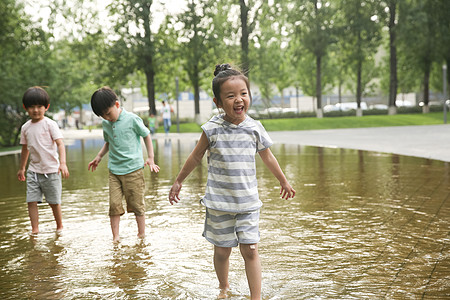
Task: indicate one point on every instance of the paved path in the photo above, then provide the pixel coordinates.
(427, 141)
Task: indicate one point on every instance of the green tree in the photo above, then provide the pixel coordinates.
(393, 81)
(200, 38)
(135, 48)
(419, 39)
(169, 58)
(316, 20)
(271, 66)
(249, 14)
(443, 46)
(25, 53)
(361, 38)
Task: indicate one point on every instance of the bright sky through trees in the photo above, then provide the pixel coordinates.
(40, 10)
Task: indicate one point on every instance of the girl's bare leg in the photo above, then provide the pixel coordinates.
(115, 220)
(57, 214)
(252, 269)
(140, 220)
(33, 213)
(222, 265)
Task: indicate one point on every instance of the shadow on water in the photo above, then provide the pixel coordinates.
(363, 225)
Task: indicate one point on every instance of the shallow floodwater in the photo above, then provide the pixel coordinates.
(362, 226)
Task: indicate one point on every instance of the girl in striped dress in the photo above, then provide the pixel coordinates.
(231, 198)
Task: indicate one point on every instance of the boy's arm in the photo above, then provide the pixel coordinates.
(150, 161)
(93, 164)
(23, 163)
(62, 158)
(193, 160)
(271, 162)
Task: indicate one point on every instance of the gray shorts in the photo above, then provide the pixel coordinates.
(226, 229)
(48, 185)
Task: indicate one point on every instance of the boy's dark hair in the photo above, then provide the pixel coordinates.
(224, 72)
(102, 99)
(35, 96)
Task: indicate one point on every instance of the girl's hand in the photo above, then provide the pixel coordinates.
(174, 193)
(151, 164)
(287, 191)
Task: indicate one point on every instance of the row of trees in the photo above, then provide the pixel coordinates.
(316, 46)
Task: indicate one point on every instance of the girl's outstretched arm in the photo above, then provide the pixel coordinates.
(193, 160)
(271, 162)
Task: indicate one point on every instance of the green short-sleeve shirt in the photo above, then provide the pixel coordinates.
(124, 138)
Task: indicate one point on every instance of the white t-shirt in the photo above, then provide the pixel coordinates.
(166, 111)
(40, 140)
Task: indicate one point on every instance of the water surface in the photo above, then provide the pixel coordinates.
(363, 226)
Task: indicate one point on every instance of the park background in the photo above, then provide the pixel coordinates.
(306, 58)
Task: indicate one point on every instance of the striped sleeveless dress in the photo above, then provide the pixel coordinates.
(232, 184)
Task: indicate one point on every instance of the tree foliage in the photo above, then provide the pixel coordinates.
(316, 45)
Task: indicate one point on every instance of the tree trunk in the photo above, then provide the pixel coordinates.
(426, 88)
(149, 69)
(196, 83)
(393, 58)
(244, 38)
(358, 84)
(318, 82)
(150, 76)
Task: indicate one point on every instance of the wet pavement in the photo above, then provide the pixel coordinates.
(365, 225)
(423, 264)
(427, 141)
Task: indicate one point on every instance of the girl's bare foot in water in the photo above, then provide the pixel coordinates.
(224, 294)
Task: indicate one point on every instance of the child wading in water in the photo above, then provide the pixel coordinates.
(122, 132)
(231, 199)
(41, 140)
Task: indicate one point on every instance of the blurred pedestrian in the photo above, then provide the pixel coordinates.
(166, 115)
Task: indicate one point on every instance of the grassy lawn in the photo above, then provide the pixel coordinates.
(4, 149)
(334, 122)
(353, 122)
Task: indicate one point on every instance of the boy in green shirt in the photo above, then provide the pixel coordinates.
(122, 132)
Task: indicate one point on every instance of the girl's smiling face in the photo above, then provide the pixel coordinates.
(234, 100)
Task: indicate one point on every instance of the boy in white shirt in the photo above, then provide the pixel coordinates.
(41, 140)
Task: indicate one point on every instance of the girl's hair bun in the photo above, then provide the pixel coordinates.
(221, 68)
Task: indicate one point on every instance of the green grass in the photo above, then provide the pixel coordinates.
(5, 149)
(184, 127)
(353, 122)
(334, 122)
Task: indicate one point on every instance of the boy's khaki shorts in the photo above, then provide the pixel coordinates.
(131, 186)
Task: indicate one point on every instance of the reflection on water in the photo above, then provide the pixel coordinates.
(363, 225)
